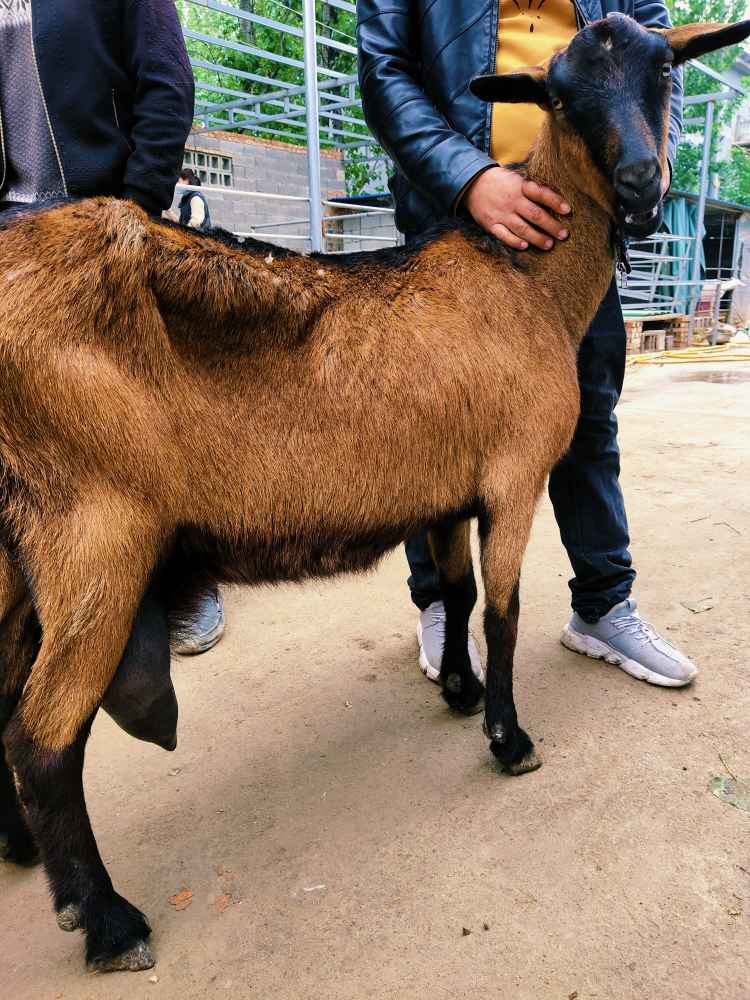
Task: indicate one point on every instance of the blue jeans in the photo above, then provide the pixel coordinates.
(584, 486)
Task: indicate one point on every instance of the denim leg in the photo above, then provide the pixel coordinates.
(424, 582)
(584, 486)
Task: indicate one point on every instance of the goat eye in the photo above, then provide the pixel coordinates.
(666, 70)
(557, 104)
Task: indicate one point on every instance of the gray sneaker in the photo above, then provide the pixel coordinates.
(431, 638)
(206, 627)
(624, 639)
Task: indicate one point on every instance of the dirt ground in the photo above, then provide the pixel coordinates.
(341, 832)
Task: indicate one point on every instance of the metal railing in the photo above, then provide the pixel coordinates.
(660, 276)
(266, 229)
(314, 104)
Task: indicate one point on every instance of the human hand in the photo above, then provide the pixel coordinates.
(512, 208)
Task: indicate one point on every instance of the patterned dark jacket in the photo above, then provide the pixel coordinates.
(416, 59)
(118, 90)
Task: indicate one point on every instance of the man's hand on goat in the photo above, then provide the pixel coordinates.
(512, 208)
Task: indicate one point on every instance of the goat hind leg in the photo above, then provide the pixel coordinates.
(503, 545)
(17, 843)
(19, 643)
(86, 599)
(51, 788)
(451, 550)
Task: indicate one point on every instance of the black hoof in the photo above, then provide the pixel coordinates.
(116, 934)
(69, 917)
(514, 750)
(19, 848)
(135, 959)
(463, 692)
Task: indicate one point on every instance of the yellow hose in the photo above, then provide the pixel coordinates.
(691, 356)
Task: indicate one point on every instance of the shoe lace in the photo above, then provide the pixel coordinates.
(636, 627)
(435, 619)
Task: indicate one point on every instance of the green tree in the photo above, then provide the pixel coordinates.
(332, 22)
(734, 173)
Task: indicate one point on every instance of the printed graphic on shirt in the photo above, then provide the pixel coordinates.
(528, 33)
(551, 18)
(530, 9)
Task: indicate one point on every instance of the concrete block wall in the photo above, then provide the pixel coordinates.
(269, 167)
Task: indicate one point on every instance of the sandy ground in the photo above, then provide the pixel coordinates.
(339, 829)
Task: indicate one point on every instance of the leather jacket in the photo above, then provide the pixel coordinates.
(416, 59)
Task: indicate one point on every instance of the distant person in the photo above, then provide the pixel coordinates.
(97, 99)
(193, 209)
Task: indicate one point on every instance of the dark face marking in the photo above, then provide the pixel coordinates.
(614, 82)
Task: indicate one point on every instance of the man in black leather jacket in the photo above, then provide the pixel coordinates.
(416, 60)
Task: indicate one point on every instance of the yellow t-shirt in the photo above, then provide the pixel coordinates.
(528, 33)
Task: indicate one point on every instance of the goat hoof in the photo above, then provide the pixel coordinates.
(513, 749)
(463, 693)
(135, 959)
(69, 917)
(529, 762)
(116, 934)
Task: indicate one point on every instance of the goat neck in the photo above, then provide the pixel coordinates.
(578, 271)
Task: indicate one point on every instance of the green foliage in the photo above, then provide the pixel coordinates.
(363, 171)
(265, 74)
(734, 172)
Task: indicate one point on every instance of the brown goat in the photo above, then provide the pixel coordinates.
(176, 406)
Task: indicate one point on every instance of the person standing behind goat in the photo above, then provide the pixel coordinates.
(416, 60)
(97, 99)
(193, 207)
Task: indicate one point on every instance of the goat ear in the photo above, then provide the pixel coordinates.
(525, 86)
(690, 41)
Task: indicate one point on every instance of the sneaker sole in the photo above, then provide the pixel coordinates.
(595, 649)
(424, 664)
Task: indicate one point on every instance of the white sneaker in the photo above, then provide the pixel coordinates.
(431, 638)
(625, 640)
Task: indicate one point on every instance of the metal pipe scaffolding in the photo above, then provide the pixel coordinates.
(708, 125)
(313, 136)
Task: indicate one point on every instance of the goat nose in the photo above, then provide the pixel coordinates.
(634, 178)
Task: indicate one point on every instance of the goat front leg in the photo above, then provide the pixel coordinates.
(87, 580)
(503, 546)
(51, 790)
(451, 550)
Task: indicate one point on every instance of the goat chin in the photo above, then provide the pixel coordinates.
(639, 225)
